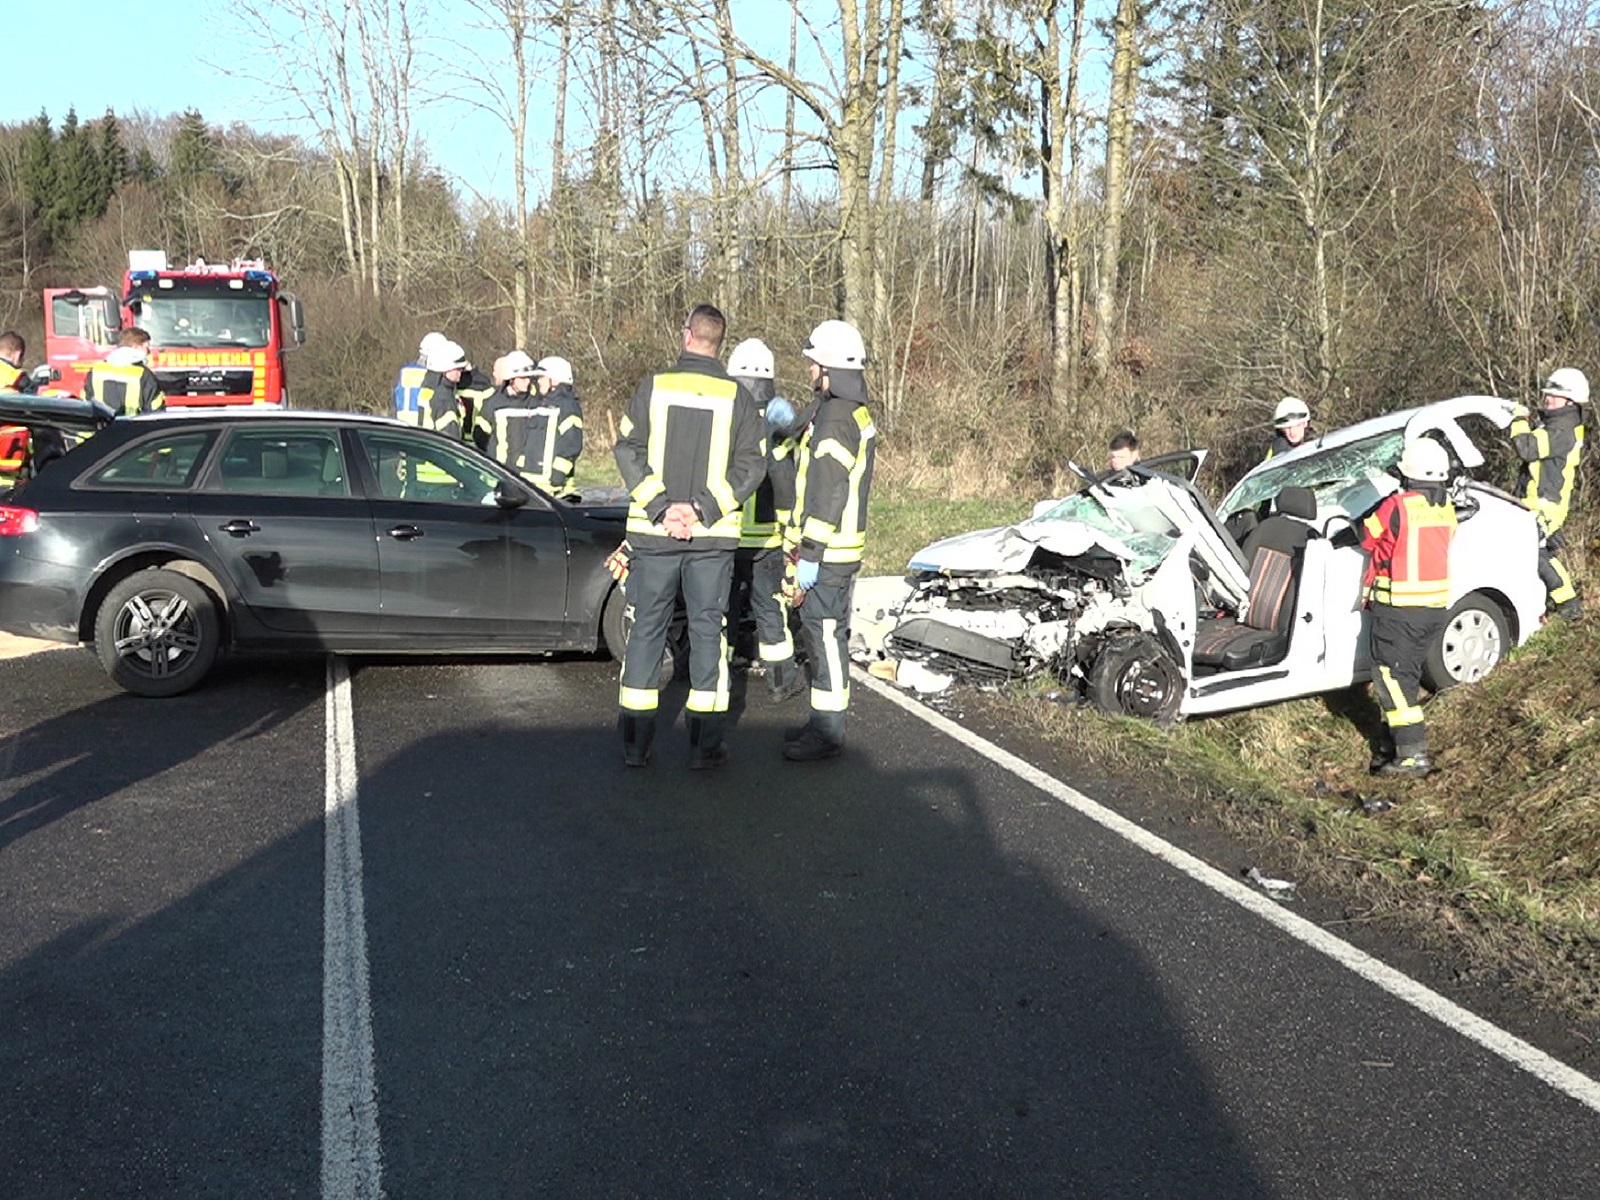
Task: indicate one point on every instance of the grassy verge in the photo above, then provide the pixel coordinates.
(900, 525)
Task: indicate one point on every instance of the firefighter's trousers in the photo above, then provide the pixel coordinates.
(774, 643)
(825, 628)
(655, 581)
(1553, 573)
(1400, 641)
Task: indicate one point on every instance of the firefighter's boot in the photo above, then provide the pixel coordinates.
(785, 681)
(1411, 754)
(638, 731)
(706, 750)
(821, 737)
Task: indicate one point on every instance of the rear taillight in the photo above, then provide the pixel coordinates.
(14, 521)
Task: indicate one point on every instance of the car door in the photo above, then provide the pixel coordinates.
(279, 511)
(466, 553)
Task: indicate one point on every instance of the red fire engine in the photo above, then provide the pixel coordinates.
(217, 333)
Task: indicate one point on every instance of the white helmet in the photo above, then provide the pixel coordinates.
(1425, 460)
(1569, 382)
(751, 359)
(1291, 410)
(836, 344)
(445, 356)
(554, 368)
(517, 365)
(126, 356)
(429, 341)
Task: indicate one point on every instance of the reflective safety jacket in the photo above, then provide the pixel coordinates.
(408, 393)
(472, 393)
(767, 510)
(13, 438)
(1408, 539)
(126, 388)
(437, 405)
(834, 474)
(1550, 451)
(691, 435)
(553, 440)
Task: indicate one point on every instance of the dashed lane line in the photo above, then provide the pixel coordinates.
(1491, 1037)
(352, 1165)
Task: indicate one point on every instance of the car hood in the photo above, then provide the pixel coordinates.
(60, 412)
(1010, 548)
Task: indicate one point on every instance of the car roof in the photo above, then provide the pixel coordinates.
(73, 412)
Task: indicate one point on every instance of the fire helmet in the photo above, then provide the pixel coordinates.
(554, 368)
(836, 344)
(1291, 410)
(751, 359)
(1569, 382)
(1425, 461)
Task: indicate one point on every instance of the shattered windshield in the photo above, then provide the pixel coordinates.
(1128, 517)
(1350, 478)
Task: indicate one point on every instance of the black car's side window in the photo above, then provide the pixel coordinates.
(415, 468)
(279, 462)
(168, 461)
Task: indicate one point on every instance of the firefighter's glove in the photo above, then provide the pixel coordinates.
(1521, 412)
(619, 561)
(805, 574)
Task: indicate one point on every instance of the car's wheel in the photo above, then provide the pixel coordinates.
(157, 633)
(616, 622)
(1134, 676)
(1475, 638)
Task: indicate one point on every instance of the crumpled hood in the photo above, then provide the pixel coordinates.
(1011, 547)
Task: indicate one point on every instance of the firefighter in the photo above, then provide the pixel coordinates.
(554, 437)
(691, 450)
(408, 385)
(833, 479)
(14, 440)
(1123, 451)
(1292, 422)
(501, 423)
(1408, 591)
(473, 390)
(123, 382)
(438, 407)
(759, 566)
(1550, 449)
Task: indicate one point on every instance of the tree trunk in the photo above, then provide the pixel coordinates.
(1119, 139)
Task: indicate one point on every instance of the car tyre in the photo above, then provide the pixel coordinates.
(1476, 636)
(157, 633)
(616, 621)
(1134, 676)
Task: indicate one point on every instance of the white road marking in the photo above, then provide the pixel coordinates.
(1491, 1037)
(352, 1165)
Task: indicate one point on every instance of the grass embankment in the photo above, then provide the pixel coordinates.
(1496, 858)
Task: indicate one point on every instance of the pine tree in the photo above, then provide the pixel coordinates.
(77, 197)
(145, 169)
(38, 167)
(112, 158)
(194, 152)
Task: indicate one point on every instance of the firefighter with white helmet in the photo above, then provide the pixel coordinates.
(1291, 423)
(408, 384)
(759, 566)
(553, 438)
(1550, 445)
(829, 526)
(1407, 539)
(500, 425)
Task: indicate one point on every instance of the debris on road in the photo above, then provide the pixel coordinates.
(1278, 889)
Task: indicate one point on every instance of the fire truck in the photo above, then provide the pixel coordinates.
(217, 333)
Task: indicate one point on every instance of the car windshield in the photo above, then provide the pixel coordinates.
(187, 319)
(1347, 478)
(1130, 516)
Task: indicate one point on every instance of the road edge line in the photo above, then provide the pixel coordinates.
(352, 1164)
(1491, 1037)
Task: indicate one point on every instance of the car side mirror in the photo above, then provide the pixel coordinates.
(509, 496)
(44, 373)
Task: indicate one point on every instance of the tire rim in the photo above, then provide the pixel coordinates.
(1471, 646)
(157, 633)
(1145, 687)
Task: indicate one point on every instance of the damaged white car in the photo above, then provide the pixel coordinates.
(1152, 604)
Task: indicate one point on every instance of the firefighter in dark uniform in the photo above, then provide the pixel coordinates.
(501, 423)
(691, 450)
(408, 384)
(833, 479)
(123, 383)
(759, 567)
(1550, 450)
(554, 437)
(473, 390)
(1408, 540)
(1291, 424)
(438, 408)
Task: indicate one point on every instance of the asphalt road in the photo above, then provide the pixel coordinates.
(908, 972)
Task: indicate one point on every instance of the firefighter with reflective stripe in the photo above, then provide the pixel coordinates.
(832, 482)
(553, 439)
(1291, 423)
(1551, 449)
(1408, 540)
(438, 409)
(123, 383)
(501, 423)
(408, 385)
(691, 450)
(14, 441)
(472, 392)
(758, 567)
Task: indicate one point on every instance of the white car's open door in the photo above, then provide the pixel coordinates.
(1444, 416)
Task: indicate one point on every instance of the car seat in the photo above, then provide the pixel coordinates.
(1275, 550)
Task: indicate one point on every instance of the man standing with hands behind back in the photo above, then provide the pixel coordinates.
(691, 449)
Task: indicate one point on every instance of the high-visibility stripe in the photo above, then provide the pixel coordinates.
(1399, 712)
(775, 652)
(638, 699)
(837, 697)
